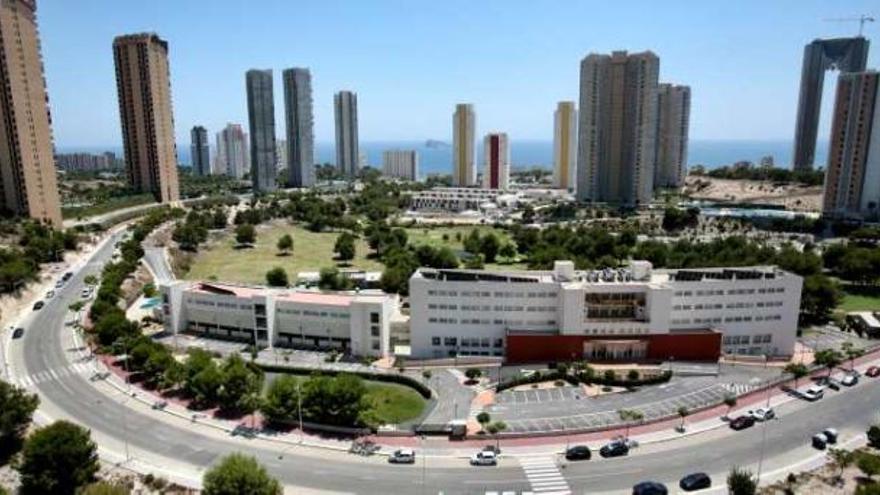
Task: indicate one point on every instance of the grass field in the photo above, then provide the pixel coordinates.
(311, 252)
(395, 403)
(857, 298)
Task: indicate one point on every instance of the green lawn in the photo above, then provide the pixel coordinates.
(395, 403)
(858, 298)
(311, 252)
(113, 204)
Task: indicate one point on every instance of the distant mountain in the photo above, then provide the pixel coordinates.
(434, 144)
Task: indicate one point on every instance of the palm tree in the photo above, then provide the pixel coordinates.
(829, 358)
(629, 416)
(729, 401)
(842, 459)
(852, 352)
(494, 429)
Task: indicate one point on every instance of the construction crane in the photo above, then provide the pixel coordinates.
(862, 19)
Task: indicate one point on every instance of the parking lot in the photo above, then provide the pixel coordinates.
(568, 408)
(819, 338)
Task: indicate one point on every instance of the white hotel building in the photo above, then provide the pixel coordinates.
(629, 314)
(358, 323)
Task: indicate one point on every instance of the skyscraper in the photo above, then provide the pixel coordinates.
(496, 166)
(199, 149)
(401, 164)
(232, 152)
(852, 179)
(464, 123)
(564, 145)
(617, 128)
(673, 122)
(261, 117)
(300, 133)
(347, 153)
(28, 184)
(143, 81)
(845, 54)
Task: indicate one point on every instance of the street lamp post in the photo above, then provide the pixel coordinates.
(764, 430)
(299, 407)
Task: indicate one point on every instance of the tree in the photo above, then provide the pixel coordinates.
(91, 280)
(239, 382)
(245, 234)
(852, 352)
(282, 401)
(472, 242)
(285, 244)
(489, 246)
(507, 251)
(331, 279)
(426, 375)
(239, 474)
(483, 418)
(335, 400)
(819, 297)
(874, 436)
(629, 416)
(528, 214)
(58, 459)
(632, 375)
(797, 371)
(829, 358)
(683, 412)
(494, 429)
(473, 374)
(277, 277)
(344, 247)
(842, 459)
(869, 464)
(741, 482)
(16, 410)
(730, 402)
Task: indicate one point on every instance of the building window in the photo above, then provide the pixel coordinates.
(435, 340)
(374, 317)
(450, 341)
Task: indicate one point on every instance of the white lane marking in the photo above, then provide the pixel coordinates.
(544, 476)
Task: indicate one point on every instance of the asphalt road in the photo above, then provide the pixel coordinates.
(42, 350)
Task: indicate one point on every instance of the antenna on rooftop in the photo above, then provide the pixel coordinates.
(862, 19)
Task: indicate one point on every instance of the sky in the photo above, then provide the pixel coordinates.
(410, 61)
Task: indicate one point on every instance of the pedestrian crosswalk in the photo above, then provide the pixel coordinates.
(544, 476)
(54, 374)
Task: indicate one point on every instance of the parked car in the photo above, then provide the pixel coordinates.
(67, 276)
(616, 448)
(50, 294)
(829, 382)
(86, 292)
(813, 393)
(484, 458)
(59, 284)
(578, 453)
(742, 422)
(763, 413)
(828, 436)
(873, 371)
(695, 481)
(650, 488)
(18, 333)
(850, 379)
(402, 456)
(39, 305)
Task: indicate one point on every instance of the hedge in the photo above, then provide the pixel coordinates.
(577, 380)
(418, 386)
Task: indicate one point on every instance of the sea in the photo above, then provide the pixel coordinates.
(435, 157)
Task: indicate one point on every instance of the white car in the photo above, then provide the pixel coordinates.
(50, 294)
(59, 284)
(763, 413)
(86, 292)
(402, 456)
(815, 392)
(850, 379)
(484, 458)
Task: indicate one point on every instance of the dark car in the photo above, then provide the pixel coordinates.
(650, 488)
(829, 383)
(616, 448)
(873, 371)
(67, 276)
(39, 305)
(695, 481)
(578, 453)
(742, 422)
(17, 333)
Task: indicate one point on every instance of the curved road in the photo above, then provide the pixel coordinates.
(46, 352)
